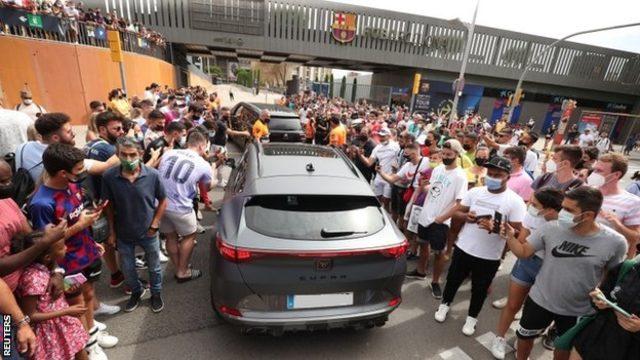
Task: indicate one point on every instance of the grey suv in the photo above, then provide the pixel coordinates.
(302, 243)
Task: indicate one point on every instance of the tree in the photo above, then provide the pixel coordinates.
(343, 86)
(244, 77)
(331, 86)
(326, 78)
(281, 72)
(353, 90)
(215, 70)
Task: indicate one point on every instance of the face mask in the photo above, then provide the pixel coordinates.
(493, 183)
(7, 191)
(566, 220)
(467, 147)
(79, 177)
(384, 142)
(533, 211)
(182, 141)
(27, 101)
(596, 180)
(520, 143)
(481, 161)
(448, 161)
(428, 142)
(433, 164)
(130, 165)
(551, 166)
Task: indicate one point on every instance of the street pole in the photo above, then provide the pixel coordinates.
(123, 77)
(465, 58)
(550, 46)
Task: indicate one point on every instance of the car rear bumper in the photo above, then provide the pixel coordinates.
(305, 319)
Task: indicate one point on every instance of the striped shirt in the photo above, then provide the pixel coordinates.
(625, 205)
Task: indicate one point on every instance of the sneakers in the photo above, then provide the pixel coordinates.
(156, 303)
(499, 347)
(550, 338)
(200, 229)
(94, 351)
(163, 257)
(416, 275)
(441, 314)
(101, 326)
(469, 327)
(106, 309)
(116, 279)
(106, 341)
(436, 291)
(141, 263)
(145, 284)
(500, 303)
(134, 300)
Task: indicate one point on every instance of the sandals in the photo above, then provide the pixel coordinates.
(195, 273)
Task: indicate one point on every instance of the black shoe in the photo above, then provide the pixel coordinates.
(416, 275)
(436, 291)
(412, 256)
(134, 300)
(156, 303)
(548, 341)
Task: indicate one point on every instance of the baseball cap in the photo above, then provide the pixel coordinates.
(499, 162)
(454, 145)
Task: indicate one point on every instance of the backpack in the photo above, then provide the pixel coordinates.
(23, 183)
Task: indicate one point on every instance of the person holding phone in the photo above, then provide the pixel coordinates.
(612, 334)
(479, 246)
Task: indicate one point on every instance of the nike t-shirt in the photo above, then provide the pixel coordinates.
(573, 266)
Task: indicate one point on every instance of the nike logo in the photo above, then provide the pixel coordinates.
(95, 273)
(568, 249)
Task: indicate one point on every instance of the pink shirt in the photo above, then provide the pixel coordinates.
(520, 183)
(11, 224)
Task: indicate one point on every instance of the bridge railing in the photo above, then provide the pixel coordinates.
(78, 32)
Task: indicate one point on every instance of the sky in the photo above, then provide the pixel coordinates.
(551, 18)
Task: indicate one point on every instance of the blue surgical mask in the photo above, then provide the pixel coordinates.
(492, 183)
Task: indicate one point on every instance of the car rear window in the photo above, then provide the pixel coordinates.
(317, 217)
(284, 124)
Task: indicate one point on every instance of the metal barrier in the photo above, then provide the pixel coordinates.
(83, 33)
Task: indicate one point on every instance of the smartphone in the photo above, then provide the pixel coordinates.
(497, 221)
(613, 305)
(73, 280)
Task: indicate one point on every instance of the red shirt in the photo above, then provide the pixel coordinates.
(12, 222)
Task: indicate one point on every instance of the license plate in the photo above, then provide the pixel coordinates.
(319, 301)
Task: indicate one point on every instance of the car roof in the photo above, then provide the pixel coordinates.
(274, 110)
(283, 168)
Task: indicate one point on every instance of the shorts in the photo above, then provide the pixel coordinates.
(381, 188)
(91, 272)
(524, 271)
(398, 205)
(435, 235)
(181, 223)
(536, 319)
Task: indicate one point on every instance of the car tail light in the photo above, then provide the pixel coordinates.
(230, 311)
(395, 301)
(396, 251)
(231, 253)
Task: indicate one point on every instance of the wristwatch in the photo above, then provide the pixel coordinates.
(25, 320)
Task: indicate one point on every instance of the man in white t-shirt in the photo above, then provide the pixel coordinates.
(181, 171)
(479, 246)
(448, 185)
(586, 139)
(384, 155)
(603, 143)
(28, 107)
(620, 208)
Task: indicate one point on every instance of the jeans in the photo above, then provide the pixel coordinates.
(151, 247)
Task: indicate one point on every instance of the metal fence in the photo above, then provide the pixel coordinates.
(87, 34)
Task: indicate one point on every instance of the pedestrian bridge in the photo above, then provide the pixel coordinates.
(323, 33)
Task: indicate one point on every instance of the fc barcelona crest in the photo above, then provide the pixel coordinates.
(344, 27)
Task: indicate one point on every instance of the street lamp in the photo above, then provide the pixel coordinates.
(459, 83)
(547, 48)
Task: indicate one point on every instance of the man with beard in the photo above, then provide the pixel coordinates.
(363, 142)
(156, 121)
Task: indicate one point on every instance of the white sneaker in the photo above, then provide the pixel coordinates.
(101, 326)
(499, 347)
(199, 215)
(106, 309)
(518, 315)
(500, 303)
(95, 352)
(441, 314)
(163, 257)
(106, 341)
(469, 327)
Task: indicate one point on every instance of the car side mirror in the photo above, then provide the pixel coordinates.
(230, 163)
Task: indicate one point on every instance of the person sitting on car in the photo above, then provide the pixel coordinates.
(260, 128)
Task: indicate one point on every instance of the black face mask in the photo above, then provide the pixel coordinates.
(406, 157)
(448, 161)
(467, 147)
(363, 138)
(481, 161)
(80, 177)
(7, 191)
(520, 143)
(428, 142)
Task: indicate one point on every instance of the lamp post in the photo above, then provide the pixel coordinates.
(459, 83)
(547, 48)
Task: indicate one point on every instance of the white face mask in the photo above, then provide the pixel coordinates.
(596, 180)
(551, 166)
(566, 220)
(182, 141)
(27, 101)
(533, 211)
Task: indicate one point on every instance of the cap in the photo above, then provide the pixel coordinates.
(498, 162)
(384, 132)
(454, 145)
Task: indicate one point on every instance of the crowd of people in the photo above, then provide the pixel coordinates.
(74, 12)
(465, 191)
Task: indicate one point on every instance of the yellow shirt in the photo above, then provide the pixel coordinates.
(338, 136)
(121, 106)
(500, 125)
(259, 130)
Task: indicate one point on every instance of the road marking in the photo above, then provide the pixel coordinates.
(487, 339)
(455, 354)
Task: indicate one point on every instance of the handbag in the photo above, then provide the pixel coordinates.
(408, 193)
(412, 224)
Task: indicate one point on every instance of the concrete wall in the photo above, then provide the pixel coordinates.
(66, 77)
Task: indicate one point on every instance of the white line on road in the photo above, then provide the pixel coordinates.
(455, 354)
